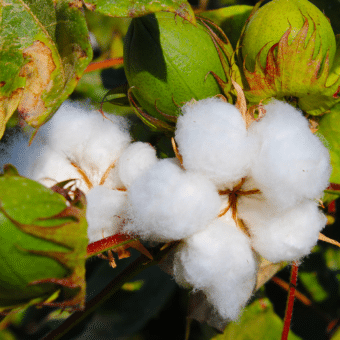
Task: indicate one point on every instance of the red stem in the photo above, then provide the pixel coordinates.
(290, 301)
(103, 64)
(107, 243)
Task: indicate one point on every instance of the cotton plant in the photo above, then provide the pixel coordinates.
(236, 191)
(96, 151)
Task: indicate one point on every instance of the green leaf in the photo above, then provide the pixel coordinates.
(44, 49)
(137, 8)
(310, 281)
(332, 257)
(258, 322)
(43, 245)
(6, 335)
(106, 28)
(336, 335)
(133, 286)
(329, 130)
(230, 19)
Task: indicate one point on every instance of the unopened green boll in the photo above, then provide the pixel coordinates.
(268, 25)
(167, 63)
(288, 51)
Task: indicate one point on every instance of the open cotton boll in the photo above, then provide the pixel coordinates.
(284, 236)
(68, 130)
(18, 152)
(38, 161)
(85, 136)
(51, 167)
(136, 158)
(168, 203)
(219, 261)
(105, 212)
(104, 146)
(291, 164)
(212, 139)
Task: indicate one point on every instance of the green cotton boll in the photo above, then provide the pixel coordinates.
(167, 61)
(267, 26)
(287, 51)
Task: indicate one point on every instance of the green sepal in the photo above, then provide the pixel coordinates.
(230, 19)
(118, 96)
(43, 245)
(152, 122)
(227, 59)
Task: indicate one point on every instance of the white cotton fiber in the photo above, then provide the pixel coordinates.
(17, 151)
(168, 203)
(50, 168)
(292, 164)
(136, 158)
(212, 139)
(219, 261)
(105, 212)
(284, 236)
(85, 137)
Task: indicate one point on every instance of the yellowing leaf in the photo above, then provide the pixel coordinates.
(44, 49)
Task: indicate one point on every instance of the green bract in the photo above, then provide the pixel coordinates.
(167, 63)
(43, 244)
(288, 49)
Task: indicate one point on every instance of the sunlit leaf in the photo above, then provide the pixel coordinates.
(258, 322)
(105, 28)
(137, 8)
(42, 245)
(310, 281)
(44, 49)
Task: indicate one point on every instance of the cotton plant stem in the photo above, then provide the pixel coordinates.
(285, 285)
(307, 302)
(128, 273)
(290, 301)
